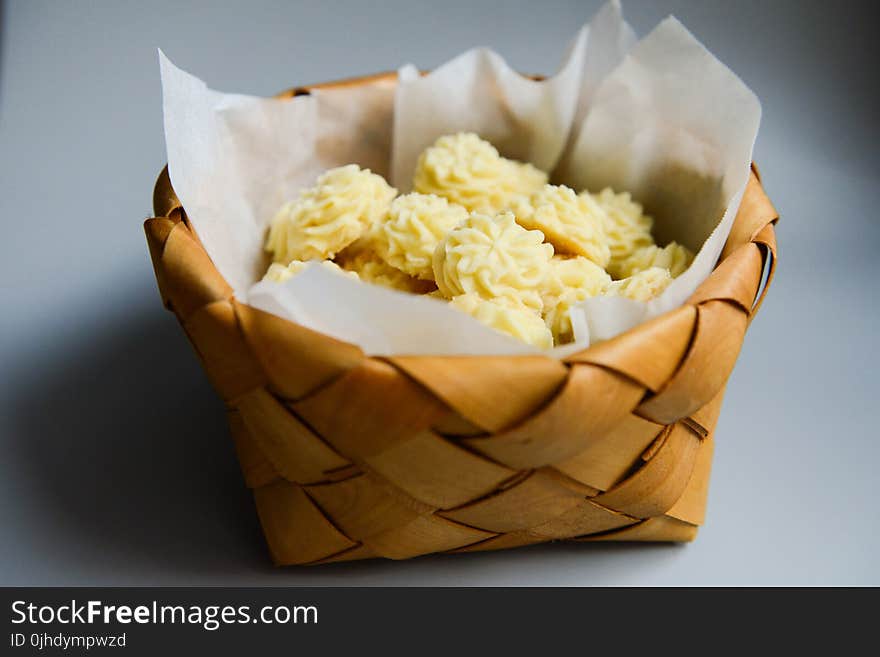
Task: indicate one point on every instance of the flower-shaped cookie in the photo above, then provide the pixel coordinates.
(573, 224)
(373, 269)
(326, 218)
(279, 273)
(674, 257)
(469, 171)
(628, 228)
(571, 279)
(516, 321)
(415, 225)
(493, 257)
(643, 286)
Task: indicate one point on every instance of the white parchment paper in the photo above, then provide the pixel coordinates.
(661, 118)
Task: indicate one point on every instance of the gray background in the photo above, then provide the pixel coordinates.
(116, 466)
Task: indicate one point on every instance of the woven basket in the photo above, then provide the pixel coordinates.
(352, 457)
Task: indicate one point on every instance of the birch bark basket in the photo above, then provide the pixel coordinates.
(352, 457)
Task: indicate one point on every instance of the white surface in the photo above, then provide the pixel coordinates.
(117, 467)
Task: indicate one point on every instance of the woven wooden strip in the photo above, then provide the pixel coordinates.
(424, 535)
(605, 462)
(295, 452)
(296, 360)
(755, 212)
(737, 279)
(649, 353)
(369, 409)
(296, 530)
(228, 362)
(256, 469)
(579, 487)
(702, 421)
(157, 231)
(356, 553)
(654, 488)
(190, 278)
(373, 78)
(503, 542)
(691, 506)
(436, 472)
(492, 392)
(453, 424)
(661, 528)
(704, 418)
(592, 403)
(364, 506)
(721, 327)
(533, 501)
(655, 446)
(585, 518)
(164, 197)
(767, 239)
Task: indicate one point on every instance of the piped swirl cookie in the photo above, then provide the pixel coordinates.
(628, 228)
(469, 171)
(414, 227)
(516, 321)
(572, 223)
(493, 257)
(279, 273)
(571, 279)
(673, 257)
(643, 286)
(343, 204)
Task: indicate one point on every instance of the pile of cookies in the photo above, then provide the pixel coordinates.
(485, 233)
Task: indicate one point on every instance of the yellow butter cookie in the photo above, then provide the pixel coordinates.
(674, 257)
(279, 273)
(373, 269)
(493, 257)
(469, 171)
(414, 227)
(572, 223)
(571, 279)
(628, 228)
(324, 219)
(516, 321)
(643, 286)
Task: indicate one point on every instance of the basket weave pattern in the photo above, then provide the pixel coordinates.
(353, 457)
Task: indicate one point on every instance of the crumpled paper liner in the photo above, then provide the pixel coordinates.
(661, 118)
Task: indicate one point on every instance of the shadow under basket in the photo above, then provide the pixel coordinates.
(353, 457)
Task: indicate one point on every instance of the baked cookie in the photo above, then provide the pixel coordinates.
(643, 286)
(493, 257)
(571, 279)
(673, 257)
(324, 219)
(373, 269)
(279, 273)
(416, 223)
(470, 172)
(628, 228)
(572, 223)
(516, 321)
